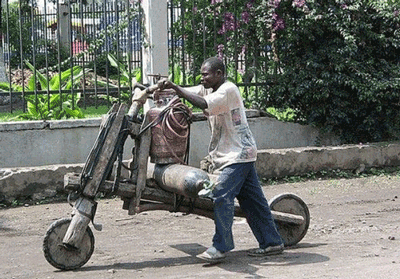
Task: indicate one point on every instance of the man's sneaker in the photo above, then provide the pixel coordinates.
(271, 250)
(211, 255)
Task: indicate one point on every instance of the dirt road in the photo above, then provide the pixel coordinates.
(354, 233)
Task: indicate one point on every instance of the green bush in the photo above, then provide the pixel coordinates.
(334, 62)
(338, 67)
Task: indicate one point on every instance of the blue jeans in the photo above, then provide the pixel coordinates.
(241, 181)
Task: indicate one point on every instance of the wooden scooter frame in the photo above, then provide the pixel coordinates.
(69, 243)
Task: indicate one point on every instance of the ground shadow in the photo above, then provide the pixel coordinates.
(236, 261)
(8, 231)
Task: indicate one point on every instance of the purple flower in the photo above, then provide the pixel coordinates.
(195, 9)
(249, 5)
(396, 13)
(229, 24)
(299, 3)
(275, 3)
(216, 1)
(229, 17)
(279, 23)
(246, 17)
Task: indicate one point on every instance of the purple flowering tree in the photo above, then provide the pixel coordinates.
(334, 62)
(241, 32)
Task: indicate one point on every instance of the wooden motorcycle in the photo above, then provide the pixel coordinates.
(164, 183)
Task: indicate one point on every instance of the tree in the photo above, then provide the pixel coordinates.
(339, 68)
(335, 62)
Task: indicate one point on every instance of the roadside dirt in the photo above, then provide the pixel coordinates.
(354, 233)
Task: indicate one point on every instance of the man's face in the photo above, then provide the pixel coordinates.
(209, 78)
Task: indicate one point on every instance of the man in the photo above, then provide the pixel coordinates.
(233, 153)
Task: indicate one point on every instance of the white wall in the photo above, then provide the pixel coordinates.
(39, 143)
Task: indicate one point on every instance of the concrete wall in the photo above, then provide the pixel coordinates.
(301, 160)
(35, 156)
(41, 143)
(37, 183)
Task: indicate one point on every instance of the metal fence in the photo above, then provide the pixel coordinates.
(199, 29)
(41, 39)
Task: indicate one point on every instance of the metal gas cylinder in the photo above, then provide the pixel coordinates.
(170, 128)
(180, 179)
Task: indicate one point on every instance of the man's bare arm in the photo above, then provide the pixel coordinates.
(192, 98)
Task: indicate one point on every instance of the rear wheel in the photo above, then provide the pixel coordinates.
(62, 256)
(290, 203)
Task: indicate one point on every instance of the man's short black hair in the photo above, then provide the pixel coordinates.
(215, 64)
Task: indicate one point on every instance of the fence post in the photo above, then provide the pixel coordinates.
(64, 25)
(155, 54)
(3, 76)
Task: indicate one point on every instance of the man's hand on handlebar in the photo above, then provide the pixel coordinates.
(139, 96)
(165, 84)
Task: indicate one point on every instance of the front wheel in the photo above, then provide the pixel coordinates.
(60, 255)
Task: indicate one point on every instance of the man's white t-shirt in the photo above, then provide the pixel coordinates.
(231, 139)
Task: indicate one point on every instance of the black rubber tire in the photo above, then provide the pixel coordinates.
(66, 258)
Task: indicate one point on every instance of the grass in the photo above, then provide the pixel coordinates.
(7, 116)
(92, 112)
(89, 112)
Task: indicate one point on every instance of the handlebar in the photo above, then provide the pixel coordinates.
(136, 105)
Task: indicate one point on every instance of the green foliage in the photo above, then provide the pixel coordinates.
(44, 107)
(65, 80)
(178, 76)
(126, 78)
(15, 26)
(6, 87)
(51, 106)
(88, 112)
(220, 36)
(8, 116)
(287, 115)
(338, 67)
(93, 112)
(335, 63)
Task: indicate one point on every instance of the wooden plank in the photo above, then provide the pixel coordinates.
(142, 160)
(106, 152)
(153, 193)
(159, 195)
